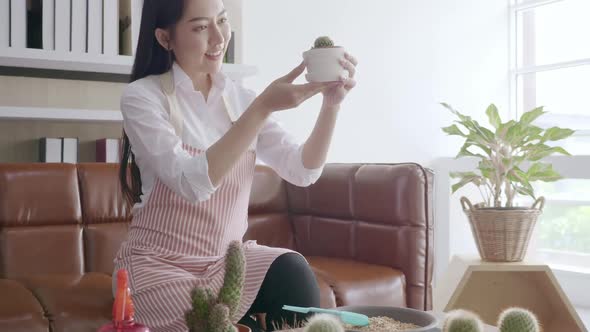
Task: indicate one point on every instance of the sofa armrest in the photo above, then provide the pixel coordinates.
(374, 213)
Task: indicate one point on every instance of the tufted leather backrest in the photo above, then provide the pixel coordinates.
(378, 214)
(40, 220)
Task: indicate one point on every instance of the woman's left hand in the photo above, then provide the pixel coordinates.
(333, 96)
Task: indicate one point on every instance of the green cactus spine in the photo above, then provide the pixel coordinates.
(324, 323)
(214, 314)
(518, 320)
(233, 282)
(462, 321)
(219, 320)
(323, 42)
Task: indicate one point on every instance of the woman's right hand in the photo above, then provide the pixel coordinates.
(282, 94)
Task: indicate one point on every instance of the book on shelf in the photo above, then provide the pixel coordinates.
(18, 24)
(58, 150)
(63, 12)
(110, 27)
(79, 26)
(108, 150)
(69, 149)
(129, 24)
(35, 24)
(50, 150)
(95, 26)
(4, 23)
(48, 23)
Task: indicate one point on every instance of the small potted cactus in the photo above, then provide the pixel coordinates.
(518, 320)
(324, 323)
(510, 320)
(323, 61)
(212, 314)
(462, 321)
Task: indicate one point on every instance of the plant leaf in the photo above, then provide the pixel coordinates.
(465, 180)
(525, 190)
(493, 116)
(453, 130)
(556, 134)
(503, 129)
(531, 115)
(542, 172)
(540, 151)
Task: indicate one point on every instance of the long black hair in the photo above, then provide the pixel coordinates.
(150, 59)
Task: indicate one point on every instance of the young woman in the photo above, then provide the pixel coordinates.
(191, 138)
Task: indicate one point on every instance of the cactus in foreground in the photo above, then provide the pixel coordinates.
(233, 282)
(214, 314)
(324, 323)
(323, 42)
(518, 320)
(462, 321)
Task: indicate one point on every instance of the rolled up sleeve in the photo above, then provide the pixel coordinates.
(279, 150)
(156, 145)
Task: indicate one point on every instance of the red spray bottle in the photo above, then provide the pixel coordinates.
(123, 309)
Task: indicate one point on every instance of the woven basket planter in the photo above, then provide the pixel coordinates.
(502, 234)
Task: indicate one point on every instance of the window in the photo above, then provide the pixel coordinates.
(550, 67)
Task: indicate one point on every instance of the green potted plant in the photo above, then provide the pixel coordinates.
(322, 61)
(510, 158)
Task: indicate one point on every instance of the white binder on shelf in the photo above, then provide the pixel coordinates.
(62, 25)
(79, 26)
(4, 23)
(110, 27)
(50, 150)
(48, 12)
(95, 26)
(18, 24)
(69, 150)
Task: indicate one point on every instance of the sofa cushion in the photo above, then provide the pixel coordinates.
(327, 296)
(101, 195)
(20, 311)
(74, 303)
(40, 216)
(101, 243)
(28, 251)
(39, 194)
(273, 230)
(360, 283)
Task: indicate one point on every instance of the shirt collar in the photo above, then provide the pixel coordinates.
(181, 78)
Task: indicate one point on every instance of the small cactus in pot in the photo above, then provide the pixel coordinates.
(462, 321)
(323, 42)
(323, 61)
(324, 323)
(518, 320)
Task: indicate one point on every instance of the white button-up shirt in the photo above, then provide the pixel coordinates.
(158, 150)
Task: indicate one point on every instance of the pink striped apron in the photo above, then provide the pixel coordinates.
(175, 245)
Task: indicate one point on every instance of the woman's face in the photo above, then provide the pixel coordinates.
(201, 36)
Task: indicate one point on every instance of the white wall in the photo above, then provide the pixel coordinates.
(412, 53)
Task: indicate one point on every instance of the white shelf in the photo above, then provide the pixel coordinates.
(83, 62)
(59, 114)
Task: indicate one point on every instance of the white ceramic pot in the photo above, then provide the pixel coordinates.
(323, 64)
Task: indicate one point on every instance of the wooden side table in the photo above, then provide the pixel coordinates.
(487, 288)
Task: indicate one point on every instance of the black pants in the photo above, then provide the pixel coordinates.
(289, 281)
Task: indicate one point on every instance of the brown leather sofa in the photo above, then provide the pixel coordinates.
(366, 229)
